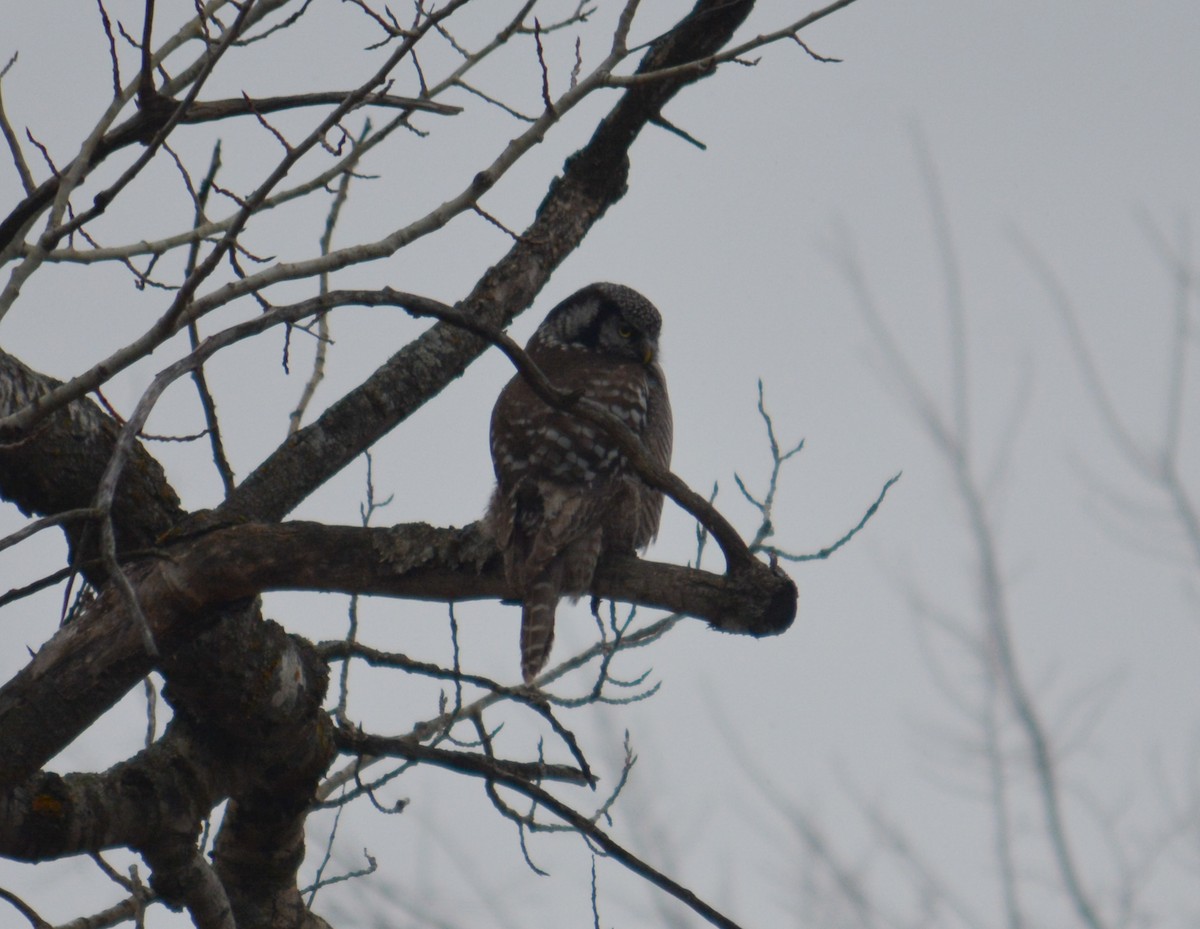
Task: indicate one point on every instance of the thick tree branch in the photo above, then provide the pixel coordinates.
(59, 467)
(89, 664)
(159, 795)
(251, 730)
(418, 561)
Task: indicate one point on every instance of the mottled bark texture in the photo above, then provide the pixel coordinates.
(247, 697)
(58, 465)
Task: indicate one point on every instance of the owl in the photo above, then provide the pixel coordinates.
(565, 495)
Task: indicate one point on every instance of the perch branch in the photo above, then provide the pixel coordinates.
(92, 662)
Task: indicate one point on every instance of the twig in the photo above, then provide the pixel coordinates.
(366, 512)
(18, 593)
(500, 774)
(276, 316)
(390, 27)
(830, 549)
(663, 123)
(146, 92)
(335, 210)
(24, 909)
(541, 57)
(704, 65)
(318, 878)
(56, 231)
(955, 308)
(1002, 662)
(813, 55)
(516, 114)
(45, 522)
(1093, 381)
(488, 217)
(346, 648)
(10, 136)
(108, 552)
(207, 403)
(285, 23)
(262, 121)
(112, 49)
(319, 882)
(496, 692)
(501, 769)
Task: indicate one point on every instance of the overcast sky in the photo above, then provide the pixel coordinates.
(1069, 129)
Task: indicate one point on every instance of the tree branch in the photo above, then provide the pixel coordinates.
(473, 763)
(368, 745)
(90, 663)
(59, 467)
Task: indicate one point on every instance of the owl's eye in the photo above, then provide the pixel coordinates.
(625, 332)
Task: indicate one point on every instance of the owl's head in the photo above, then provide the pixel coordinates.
(609, 319)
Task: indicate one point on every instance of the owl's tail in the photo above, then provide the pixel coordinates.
(537, 624)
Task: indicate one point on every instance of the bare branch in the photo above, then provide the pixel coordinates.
(10, 136)
(830, 549)
(813, 55)
(1087, 365)
(185, 306)
(547, 101)
(46, 522)
(24, 909)
(335, 209)
(516, 114)
(112, 49)
(146, 92)
(177, 593)
(593, 179)
(1159, 465)
(1001, 660)
(955, 307)
(207, 403)
(368, 745)
(360, 743)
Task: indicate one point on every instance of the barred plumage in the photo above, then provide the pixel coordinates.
(565, 495)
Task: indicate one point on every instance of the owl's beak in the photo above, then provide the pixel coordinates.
(648, 352)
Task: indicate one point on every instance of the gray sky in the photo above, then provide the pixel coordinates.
(1072, 127)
